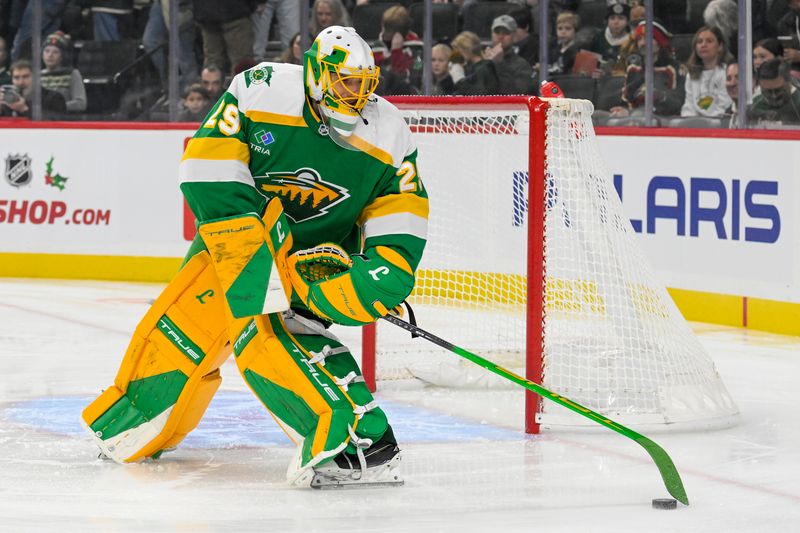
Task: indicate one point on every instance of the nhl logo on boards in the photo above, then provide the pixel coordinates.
(18, 170)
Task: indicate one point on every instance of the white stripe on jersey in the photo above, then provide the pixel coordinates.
(209, 170)
(398, 223)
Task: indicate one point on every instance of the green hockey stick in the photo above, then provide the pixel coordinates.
(669, 474)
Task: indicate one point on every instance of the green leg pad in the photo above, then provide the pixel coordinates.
(144, 400)
(373, 423)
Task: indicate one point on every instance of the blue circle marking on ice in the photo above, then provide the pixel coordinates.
(237, 419)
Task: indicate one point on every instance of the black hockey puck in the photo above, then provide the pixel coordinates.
(665, 503)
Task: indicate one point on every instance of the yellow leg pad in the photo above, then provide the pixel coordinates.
(303, 397)
(170, 371)
(196, 408)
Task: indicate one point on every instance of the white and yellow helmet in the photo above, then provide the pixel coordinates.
(340, 75)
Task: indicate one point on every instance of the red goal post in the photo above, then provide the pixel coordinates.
(535, 266)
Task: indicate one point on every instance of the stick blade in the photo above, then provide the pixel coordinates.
(669, 474)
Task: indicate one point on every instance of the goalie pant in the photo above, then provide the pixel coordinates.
(305, 377)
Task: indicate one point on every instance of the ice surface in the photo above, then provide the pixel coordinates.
(468, 466)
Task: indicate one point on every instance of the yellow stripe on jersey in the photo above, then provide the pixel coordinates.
(217, 148)
(370, 149)
(395, 203)
(275, 118)
(394, 258)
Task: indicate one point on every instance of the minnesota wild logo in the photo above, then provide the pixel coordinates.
(304, 194)
(705, 102)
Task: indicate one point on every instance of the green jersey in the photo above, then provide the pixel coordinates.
(264, 139)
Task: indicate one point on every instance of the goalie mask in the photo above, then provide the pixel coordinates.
(340, 75)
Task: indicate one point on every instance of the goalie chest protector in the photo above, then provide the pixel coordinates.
(323, 187)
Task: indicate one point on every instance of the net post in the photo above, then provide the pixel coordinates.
(534, 340)
(368, 334)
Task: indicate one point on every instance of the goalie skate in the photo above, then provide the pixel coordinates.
(377, 466)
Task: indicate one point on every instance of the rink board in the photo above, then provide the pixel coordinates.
(717, 222)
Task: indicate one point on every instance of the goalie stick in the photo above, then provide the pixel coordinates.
(330, 262)
(669, 474)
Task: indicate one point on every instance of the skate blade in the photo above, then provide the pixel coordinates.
(387, 475)
(327, 484)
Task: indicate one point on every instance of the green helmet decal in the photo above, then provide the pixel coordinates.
(340, 75)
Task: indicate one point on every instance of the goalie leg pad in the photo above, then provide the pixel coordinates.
(310, 384)
(249, 255)
(169, 372)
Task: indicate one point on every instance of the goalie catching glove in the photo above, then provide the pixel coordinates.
(346, 290)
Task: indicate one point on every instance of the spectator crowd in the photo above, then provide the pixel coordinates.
(107, 59)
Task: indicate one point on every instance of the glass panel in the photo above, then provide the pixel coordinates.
(96, 65)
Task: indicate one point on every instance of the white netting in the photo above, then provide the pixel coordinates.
(613, 339)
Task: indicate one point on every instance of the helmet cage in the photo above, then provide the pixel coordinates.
(337, 91)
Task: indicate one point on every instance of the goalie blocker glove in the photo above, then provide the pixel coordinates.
(375, 282)
(249, 255)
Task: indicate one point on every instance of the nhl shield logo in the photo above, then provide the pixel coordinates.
(18, 170)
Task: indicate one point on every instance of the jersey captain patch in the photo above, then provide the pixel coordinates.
(303, 193)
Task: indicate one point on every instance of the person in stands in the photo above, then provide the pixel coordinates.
(608, 42)
(705, 86)
(196, 104)
(779, 101)
(440, 60)
(563, 50)
(17, 100)
(472, 73)
(513, 72)
(59, 76)
(326, 13)
(293, 54)
(668, 76)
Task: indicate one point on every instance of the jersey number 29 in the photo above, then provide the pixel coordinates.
(229, 123)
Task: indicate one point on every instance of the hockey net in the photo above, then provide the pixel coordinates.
(597, 328)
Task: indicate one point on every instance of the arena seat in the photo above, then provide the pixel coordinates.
(635, 120)
(367, 19)
(445, 20)
(693, 122)
(478, 17)
(609, 92)
(682, 45)
(99, 62)
(574, 86)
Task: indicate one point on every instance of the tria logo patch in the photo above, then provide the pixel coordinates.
(265, 137)
(18, 170)
(303, 193)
